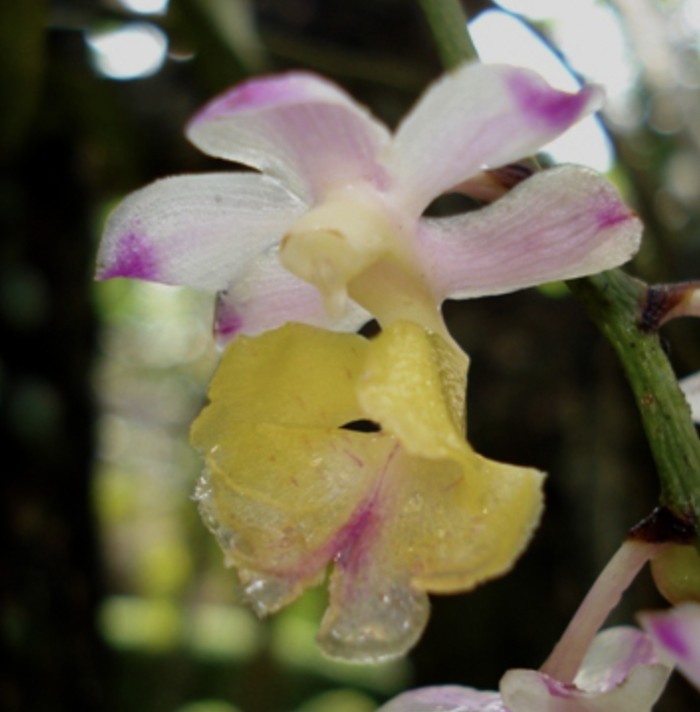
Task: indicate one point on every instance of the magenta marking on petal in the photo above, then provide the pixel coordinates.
(227, 322)
(555, 108)
(349, 545)
(667, 633)
(642, 653)
(255, 94)
(354, 539)
(612, 215)
(351, 539)
(358, 461)
(559, 689)
(134, 257)
(453, 697)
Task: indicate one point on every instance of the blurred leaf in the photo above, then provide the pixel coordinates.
(294, 646)
(223, 632)
(130, 622)
(164, 567)
(217, 59)
(208, 706)
(339, 701)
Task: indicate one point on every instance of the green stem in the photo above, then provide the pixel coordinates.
(614, 301)
(448, 25)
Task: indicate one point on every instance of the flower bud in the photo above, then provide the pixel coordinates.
(676, 572)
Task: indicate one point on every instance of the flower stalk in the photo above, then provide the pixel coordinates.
(615, 302)
(616, 577)
(447, 20)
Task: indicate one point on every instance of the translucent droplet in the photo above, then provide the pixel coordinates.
(413, 504)
(373, 626)
(267, 593)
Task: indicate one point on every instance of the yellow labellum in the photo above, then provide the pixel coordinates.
(404, 510)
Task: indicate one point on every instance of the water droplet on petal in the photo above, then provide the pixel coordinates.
(372, 625)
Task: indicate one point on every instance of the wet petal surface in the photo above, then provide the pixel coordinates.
(289, 490)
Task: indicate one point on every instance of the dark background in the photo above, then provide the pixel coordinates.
(545, 389)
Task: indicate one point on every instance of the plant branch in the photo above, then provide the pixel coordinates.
(448, 25)
(615, 302)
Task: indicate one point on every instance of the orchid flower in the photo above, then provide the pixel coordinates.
(330, 229)
(398, 511)
(618, 670)
(677, 632)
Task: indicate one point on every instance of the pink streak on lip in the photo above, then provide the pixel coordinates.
(554, 108)
(354, 540)
(350, 544)
(135, 258)
(351, 538)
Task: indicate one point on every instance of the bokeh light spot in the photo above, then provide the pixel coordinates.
(132, 51)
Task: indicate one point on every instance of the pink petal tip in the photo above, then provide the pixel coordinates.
(261, 92)
(134, 257)
(555, 109)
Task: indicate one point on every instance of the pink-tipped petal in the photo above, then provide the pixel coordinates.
(623, 670)
(446, 698)
(201, 231)
(268, 296)
(131, 254)
(297, 127)
(677, 631)
(479, 116)
(560, 224)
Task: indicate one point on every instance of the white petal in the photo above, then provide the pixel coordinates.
(478, 116)
(268, 296)
(297, 127)
(201, 231)
(560, 224)
(614, 653)
(446, 698)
